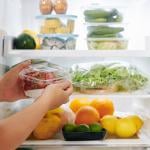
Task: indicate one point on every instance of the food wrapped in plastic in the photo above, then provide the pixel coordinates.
(101, 77)
(37, 77)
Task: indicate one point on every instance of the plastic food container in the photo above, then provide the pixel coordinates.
(96, 13)
(107, 77)
(83, 136)
(37, 77)
(109, 30)
(58, 42)
(107, 43)
(57, 24)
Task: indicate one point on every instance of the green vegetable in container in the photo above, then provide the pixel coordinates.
(105, 76)
(96, 13)
(95, 20)
(101, 15)
(103, 30)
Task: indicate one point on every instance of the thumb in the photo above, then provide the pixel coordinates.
(21, 66)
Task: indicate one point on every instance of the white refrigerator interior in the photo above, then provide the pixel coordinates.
(17, 15)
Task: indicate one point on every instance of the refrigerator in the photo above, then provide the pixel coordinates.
(19, 15)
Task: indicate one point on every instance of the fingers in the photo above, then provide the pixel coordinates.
(64, 84)
(69, 91)
(22, 65)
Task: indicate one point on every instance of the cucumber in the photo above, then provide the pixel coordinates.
(96, 20)
(96, 13)
(101, 30)
(104, 36)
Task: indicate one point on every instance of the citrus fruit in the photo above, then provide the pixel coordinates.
(86, 115)
(104, 107)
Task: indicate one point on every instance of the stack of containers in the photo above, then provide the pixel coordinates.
(105, 29)
(56, 27)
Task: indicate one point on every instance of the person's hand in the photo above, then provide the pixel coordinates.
(57, 94)
(11, 88)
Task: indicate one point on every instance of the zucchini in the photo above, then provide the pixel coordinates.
(101, 30)
(96, 13)
(104, 36)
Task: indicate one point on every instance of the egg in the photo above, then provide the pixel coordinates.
(46, 7)
(60, 6)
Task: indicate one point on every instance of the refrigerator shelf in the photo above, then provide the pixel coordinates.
(75, 53)
(127, 95)
(105, 143)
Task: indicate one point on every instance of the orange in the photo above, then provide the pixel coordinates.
(104, 107)
(86, 115)
(77, 103)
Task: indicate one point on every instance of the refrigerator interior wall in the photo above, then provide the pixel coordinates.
(15, 17)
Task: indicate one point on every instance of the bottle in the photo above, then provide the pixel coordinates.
(46, 7)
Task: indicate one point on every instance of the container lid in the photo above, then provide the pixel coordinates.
(58, 35)
(56, 16)
(46, 73)
(106, 24)
(107, 39)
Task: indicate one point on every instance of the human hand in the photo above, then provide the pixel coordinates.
(57, 94)
(11, 88)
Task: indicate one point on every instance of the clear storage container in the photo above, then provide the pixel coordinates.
(96, 13)
(57, 24)
(58, 41)
(107, 77)
(37, 77)
(107, 43)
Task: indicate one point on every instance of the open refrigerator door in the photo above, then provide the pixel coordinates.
(97, 46)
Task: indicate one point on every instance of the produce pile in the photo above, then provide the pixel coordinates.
(27, 40)
(114, 77)
(75, 125)
(103, 32)
(101, 116)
